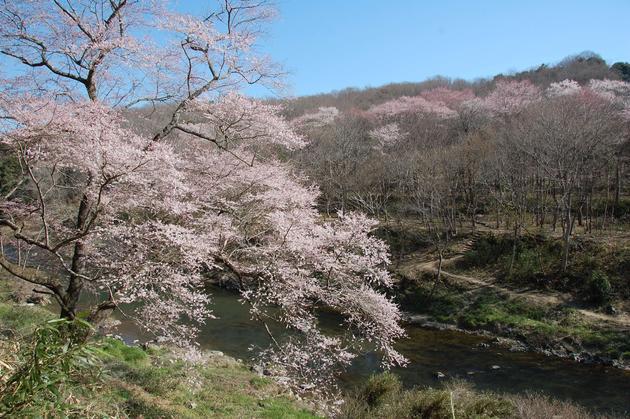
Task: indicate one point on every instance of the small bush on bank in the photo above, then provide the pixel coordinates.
(598, 289)
(54, 359)
(379, 388)
(387, 399)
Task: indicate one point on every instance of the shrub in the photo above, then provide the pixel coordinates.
(535, 406)
(57, 352)
(379, 388)
(393, 402)
(118, 350)
(486, 251)
(598, 288)
(10, 171)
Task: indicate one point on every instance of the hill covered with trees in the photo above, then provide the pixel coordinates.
(514, 183)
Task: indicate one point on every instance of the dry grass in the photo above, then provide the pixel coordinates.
(382, 397)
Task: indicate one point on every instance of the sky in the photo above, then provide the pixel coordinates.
(329, 45)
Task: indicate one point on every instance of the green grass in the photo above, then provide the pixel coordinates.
(383, 396)
(537, 263)
(514, 317)
(152, 383)
(167, 387)
(22, 320)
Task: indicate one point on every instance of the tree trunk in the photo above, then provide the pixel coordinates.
(75, 283)
(617, 186)
(514, 243)
(568, 225)
(437, 278)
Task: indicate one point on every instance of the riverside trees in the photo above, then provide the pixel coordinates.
(519, 153)
(137, 215)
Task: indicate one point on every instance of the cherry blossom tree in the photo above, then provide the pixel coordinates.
(509, 97)
(615, 91)
(448, 97)
(140, 217)
(412, 105)
(323, 116)
(387, 135)
(563, 88)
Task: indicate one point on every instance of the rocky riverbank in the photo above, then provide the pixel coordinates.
(515, 340)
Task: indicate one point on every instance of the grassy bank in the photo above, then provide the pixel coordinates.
(384, 397)
(559, 329)
(158, 382)
(598, 273)
(517, 290)
(124, 381)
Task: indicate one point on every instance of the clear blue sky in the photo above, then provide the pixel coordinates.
(332, 44)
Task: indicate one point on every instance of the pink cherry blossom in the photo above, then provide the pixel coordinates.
(139, 215)
(511, 96)
(412, 105)
(563, 88)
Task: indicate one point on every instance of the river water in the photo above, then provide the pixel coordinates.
(455, 354)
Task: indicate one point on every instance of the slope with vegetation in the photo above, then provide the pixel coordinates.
(106, 201)
(43, 371)
(481, 289)
(383, 396)
(505, 202)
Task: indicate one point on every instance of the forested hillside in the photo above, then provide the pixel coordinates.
(545, 148)
(581, 68)
(487, 190)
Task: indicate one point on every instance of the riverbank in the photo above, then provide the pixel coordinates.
(129, 381)
(383, 396)
(157, 382)
(524, 313)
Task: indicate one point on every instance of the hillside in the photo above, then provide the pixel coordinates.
(581, 68)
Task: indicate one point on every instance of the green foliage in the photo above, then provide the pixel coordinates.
(428, 403)
(379, 388)
(490, 310)
(157, 383)
(623, 69)
(535, 257)
(9, 171)
(403, 239)
(24, 321)
(440, 304)
(54, 357)
(599, 289)
(486, 251)
(118, 350)
(595, 273)
(259, 382)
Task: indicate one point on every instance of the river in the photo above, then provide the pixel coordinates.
(455, 354)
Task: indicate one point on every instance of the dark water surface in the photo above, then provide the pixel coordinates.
(454, 354)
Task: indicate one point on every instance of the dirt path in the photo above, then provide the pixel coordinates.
(410, 268)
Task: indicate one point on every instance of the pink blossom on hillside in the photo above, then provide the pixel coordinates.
(563, 88)
(387, 135)
(511, 96)
(614, 91)
(448, 97)
(323, 116)
(412, 105)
